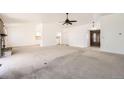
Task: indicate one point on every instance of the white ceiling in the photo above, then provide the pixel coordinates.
(82, 18)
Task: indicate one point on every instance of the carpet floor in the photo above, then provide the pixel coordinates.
(61, 62)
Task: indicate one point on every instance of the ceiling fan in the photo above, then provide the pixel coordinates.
(67, 21)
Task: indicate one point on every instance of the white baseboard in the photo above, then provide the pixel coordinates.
(114, 52)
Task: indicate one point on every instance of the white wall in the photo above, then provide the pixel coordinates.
(24, 34)
(21, 34)
(111, 40)
(77, 36)
(49, 34)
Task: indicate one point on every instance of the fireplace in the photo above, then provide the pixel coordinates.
(4, 51)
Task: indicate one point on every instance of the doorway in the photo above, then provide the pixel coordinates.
(95, 38)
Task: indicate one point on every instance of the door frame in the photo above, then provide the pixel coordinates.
(99, 37)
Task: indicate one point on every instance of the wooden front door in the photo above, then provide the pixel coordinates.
(95, 38)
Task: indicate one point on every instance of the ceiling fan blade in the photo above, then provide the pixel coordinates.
(70, 23)
(73, 21)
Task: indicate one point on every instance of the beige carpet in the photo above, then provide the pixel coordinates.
(61, 62)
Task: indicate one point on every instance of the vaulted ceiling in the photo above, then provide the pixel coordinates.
(82, 18)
